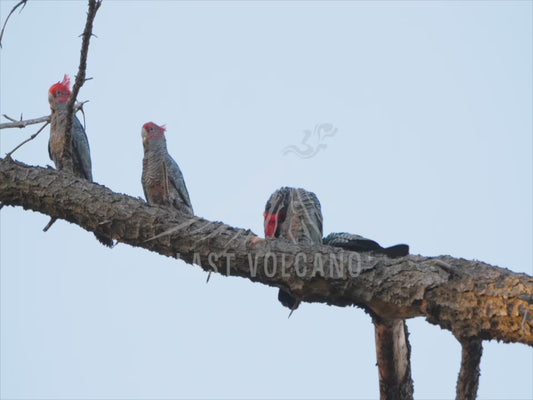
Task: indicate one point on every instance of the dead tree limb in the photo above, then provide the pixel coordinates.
(94, 5)
(468, 380)
(394, 359)
(471, 299)
(23, 123)
(20, 123)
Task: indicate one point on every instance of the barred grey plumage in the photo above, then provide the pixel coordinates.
(80, 152)
(162, 179)
(79, 158)
(295, 215)
(353, 242)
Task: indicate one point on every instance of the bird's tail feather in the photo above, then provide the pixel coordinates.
(106, 241)
(398, 250)
(287, 300)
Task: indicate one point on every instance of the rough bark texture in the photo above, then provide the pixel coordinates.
(469, 298)
(394, 359)
(468, 381)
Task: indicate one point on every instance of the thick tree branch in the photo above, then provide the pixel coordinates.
(470, 298)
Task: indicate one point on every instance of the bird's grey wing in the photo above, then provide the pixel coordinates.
(80, 149)
(351, 242)
(175, 178)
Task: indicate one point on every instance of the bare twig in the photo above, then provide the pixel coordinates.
(23, 124)
(12, 119)
(94, 5)
(20, 123)
(27, 140)
(20, 3)
(49, 224)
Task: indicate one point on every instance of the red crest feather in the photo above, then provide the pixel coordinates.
(149, 125)
(66, 82)
(63, 86)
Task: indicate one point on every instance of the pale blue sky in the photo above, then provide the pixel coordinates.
(432, 102)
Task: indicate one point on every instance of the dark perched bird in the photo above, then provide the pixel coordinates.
(296, 215)
(77, 157)
(162, 179)
(358, 243)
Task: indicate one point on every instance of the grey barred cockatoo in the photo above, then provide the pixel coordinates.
(77, 157)
(295, 215)
(162, 179)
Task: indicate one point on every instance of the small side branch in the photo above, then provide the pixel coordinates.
(49, 224)
(23, 123)
(27, 140)
(20, 3)
(20, 123)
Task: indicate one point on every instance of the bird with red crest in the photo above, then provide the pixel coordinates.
(162, 180)
(75, 158)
